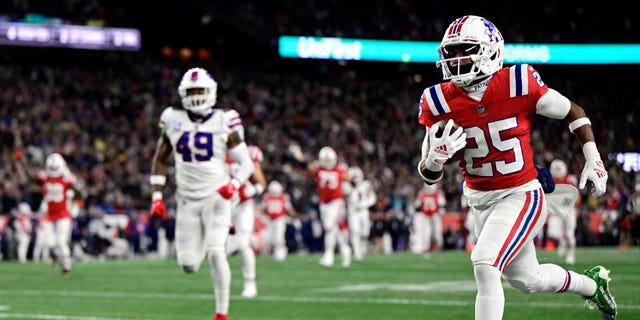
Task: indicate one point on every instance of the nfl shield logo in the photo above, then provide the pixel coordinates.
(480, 109)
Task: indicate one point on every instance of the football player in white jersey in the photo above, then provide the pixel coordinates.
(243, 219)
(562, 203)
(494, 107)
(200, 136)
(360, 198)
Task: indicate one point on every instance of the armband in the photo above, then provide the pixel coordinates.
(157, 180)
(575, 124)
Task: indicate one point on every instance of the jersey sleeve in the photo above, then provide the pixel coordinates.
(164, 118)
(425, 116)
(234, 122)
(535, 86)
(256, 154)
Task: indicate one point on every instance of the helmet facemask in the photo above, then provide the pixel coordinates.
(55, 165)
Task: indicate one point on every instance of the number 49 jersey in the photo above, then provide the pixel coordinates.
(200, 148)
(498, 154)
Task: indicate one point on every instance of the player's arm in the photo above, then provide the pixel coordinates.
(554, 105)
(22, 168)
(158, 175)
(290, 210)
(258, 179)
(239, 152)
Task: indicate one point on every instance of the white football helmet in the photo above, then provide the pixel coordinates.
(274, 188)
(198, 78)
(472, 48)
(356, 174)
(327, 157)
(55, 165)
(558, 169)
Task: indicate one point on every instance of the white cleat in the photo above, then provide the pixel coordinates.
(326, 262)
(250, 292)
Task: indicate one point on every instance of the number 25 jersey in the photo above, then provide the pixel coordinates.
(498, 154)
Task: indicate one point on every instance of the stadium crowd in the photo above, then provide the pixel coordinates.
(100, 110)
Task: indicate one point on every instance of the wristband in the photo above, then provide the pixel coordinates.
(157, 180)
(590, 151)
(156, 195)
(575, 124)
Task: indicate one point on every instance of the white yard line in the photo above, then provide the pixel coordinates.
(301, 299)
(57, 317)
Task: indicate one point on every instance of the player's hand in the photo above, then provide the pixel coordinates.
(227, 190)
(158, 209)
(595, 172)
(247, 191)
(444, 147)
(546, 180)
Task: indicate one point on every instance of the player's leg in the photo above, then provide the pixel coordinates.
(216, 220)
(329, 215)
(504, 229)
(244, 231)
(419, 233)
(62, 237)
(279, 245)
(343, 232)
(436, 222)
(570, 235)
(355, 226)
(189, 236)
(365, 222)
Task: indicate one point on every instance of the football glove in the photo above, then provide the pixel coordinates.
(18, 154)
(595, 172)
(444, 147)
(158, 210)
(227, 190)
(546, 180)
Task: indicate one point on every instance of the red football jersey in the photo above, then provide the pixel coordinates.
(329, 182)
(54, 192)
(498, 154)
(430, 202)
(276, 207)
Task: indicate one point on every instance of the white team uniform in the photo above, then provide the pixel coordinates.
(561, 225)
(200, 148)
(359, 200)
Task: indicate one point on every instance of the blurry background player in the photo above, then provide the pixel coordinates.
(329, 176)
(243, 220)
(494, 107)
(22, 227)
(276, 204)
(427, 222)
(200, 137)
(56, 180)
(360, 197)
(562, 202)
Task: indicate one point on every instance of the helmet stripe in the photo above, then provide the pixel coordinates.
(458, 25)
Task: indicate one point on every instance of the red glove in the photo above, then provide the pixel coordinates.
(227, 190)
(158, 209)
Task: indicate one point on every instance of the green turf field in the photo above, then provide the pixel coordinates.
(399, 286)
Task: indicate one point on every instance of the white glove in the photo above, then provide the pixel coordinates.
(443, 148)
(595, 172)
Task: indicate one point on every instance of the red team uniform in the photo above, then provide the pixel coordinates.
(54, 191)
(498, 150)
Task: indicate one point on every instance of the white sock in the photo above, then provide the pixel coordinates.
(221, 280)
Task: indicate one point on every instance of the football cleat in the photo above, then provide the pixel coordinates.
(220, 316)
(326, 262)
(602, 298)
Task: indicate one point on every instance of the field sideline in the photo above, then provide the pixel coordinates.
(398, 286)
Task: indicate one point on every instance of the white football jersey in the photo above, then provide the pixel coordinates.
(361, 198)
(200, 148)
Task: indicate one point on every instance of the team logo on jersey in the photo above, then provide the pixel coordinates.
(177, 125)
(481, 109)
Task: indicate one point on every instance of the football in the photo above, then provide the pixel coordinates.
(440, 124)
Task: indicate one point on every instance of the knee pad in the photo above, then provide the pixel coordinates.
(484, 253)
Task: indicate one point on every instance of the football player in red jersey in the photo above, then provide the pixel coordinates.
(427, 222)
(494, 107)
(243, 219)
(56, 179)
(329, 175)
(276, 204)
(561, 225)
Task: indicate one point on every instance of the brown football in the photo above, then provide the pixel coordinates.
(440, 124)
